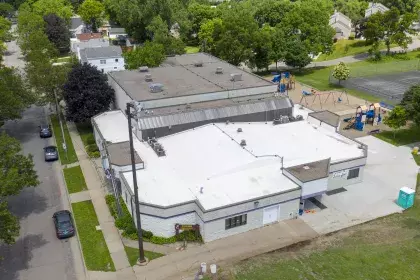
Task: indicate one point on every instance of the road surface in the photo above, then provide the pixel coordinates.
(37, 253)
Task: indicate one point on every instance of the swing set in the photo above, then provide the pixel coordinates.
(336, 97)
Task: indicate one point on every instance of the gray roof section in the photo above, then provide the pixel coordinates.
(117, 30)
(119, 154)
(208, 114)
(102, 52)
(327, 117)
(310, 171)
(75, 22)
(180, 77)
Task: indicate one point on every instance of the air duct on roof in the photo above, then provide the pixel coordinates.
(148, 78)
(239, 129)
(156, 88)
(198, 63)
(243, 142)
(236, 77)
(219, 70)
(144, 69)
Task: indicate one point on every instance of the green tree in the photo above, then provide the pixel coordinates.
(6, 9)
(278, 45)
(57, 32)
(411, 103)
(296, 54)
(396, 119)
(341, 72)
(4, 35)
(150, 54)
(200, 13)
(61, 8)
(17, 173)
(404, 6)
(160, 35)
(92, 12)
(261, 57)
(354, 9)
(15, 96)
(209, 34)
(272, 12)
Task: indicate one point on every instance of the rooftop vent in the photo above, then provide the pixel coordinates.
(156, 88)
(239, 129)
(144, 69)
(227, 122)
(306, 167)
(243, 142)
(198, 63)
(299, 118)
(219, 70)
(188, 106)
(148, 78)
(236, 77)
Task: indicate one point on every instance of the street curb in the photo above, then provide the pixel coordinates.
(71, 207)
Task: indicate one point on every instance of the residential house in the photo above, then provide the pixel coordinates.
(107, 59)
(374, 8)
(114, 32)
(88, 40)
(341, 24)
(76, 26)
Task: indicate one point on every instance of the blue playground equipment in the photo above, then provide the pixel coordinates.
(365, 115)
(285, 80)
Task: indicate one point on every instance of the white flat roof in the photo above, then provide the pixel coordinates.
(113, 126)
(211, 158)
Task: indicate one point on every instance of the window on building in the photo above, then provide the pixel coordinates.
(102, 61)
(115, 67)
(353, 173)
(116, 60)
(235, 221)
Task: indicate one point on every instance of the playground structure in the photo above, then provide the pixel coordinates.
(365, 115)
(285, 82)
(336, 97)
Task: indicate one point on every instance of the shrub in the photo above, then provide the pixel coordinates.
(92, 148)
(351, 37)
(111, 202)
(90, 139)
(163, 240)
(147, 234)
(95, 154)
(189, 235)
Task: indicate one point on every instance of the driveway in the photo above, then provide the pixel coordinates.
(37, 253)
(388, 169)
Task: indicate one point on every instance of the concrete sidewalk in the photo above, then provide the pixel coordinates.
(228, 250)
(97, 194)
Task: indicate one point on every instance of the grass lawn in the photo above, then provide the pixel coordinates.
(192, 49)
(95, 251)
(417, 159)
(85, 131)
(133, 255)
(70, 157)
(346, 47)
(402, 137)
(319, 77)
(75, 180)
(386, 248)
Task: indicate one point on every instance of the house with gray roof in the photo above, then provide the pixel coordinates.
(341, 24)
(106, 59)
(374, 8)
(77, 26)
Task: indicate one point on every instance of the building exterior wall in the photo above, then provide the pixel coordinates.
(121, 97)
(166, 227)
(216, 229)
(256, 117)
(338, 179)
(172, 101)
(111, 64)
(312, 188)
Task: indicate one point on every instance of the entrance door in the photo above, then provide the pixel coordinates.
(271, 215)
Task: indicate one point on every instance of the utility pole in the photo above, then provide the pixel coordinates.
(61, 123)
(136, 191)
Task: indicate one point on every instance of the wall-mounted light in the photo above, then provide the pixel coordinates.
(256, 203)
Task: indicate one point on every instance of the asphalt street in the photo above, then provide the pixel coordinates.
(37, 253)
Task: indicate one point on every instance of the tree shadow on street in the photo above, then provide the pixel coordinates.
(15, 258)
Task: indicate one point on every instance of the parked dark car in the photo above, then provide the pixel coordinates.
(45, 131)
(51, 153)
(63, 223)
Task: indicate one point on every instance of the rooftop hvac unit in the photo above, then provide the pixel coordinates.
(219, 70)
(198, 64)
(144, 69)
(148, 78)
(243, 142)
(277, 121)
(161, 152)
(284, 119)
(299, 118)
(292, 119)
(236, 77)
(156, 88)
(239, 129)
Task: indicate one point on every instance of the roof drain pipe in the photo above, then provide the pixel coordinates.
(277, 156)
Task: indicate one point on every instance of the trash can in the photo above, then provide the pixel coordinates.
(406, 198)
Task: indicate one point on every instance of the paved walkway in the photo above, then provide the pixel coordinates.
(80, 196)
(97, 194)
(227, 250)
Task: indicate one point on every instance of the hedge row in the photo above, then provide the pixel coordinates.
(126, 224)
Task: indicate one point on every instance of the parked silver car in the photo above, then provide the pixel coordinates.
(51, 153)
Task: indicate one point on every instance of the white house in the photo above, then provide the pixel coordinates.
(341, 24)
(76, 26)
(374, 8)
(107, 59)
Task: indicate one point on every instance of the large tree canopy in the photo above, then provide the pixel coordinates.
(61, 8)
(57, 32)
(86, 93)
(17, 173)
(15, 96)
(411, 103)
(354, 9)
(150, 54)
(92, 12)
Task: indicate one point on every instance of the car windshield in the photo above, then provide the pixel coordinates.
(64, 224)
(50, 149)
(44, 127)
(63, 221)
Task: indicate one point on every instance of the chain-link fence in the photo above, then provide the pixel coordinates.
(385, 80)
